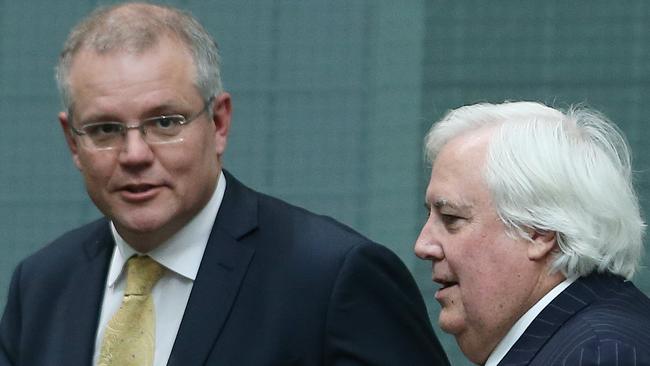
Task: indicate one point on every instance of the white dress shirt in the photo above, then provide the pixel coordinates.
(181, 255)
(520, 326)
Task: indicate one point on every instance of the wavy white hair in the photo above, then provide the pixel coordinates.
(134, 28)
(569, 173)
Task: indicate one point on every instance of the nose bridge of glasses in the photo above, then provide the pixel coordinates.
(126, 141)
(132, 142)
(149, 134)
(134, 126)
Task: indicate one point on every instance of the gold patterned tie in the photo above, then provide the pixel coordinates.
(129, 337)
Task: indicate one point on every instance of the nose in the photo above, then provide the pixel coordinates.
(427, 247)
(135, 150)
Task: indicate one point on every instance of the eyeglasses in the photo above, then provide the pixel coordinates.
(154, 131)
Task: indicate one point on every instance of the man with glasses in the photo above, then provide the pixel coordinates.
(190, 267)
(155, 130)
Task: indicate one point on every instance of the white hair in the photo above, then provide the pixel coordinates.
(134, 28)
(567, 173)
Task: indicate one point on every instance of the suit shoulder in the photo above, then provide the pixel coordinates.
(319, 241)
(244, 212)
(274, 211)
(616, 325)
(70, 245)
(620, 315)
(617, 303)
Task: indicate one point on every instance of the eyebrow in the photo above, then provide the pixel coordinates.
(440, 203)
(155, 111)
(165, 109)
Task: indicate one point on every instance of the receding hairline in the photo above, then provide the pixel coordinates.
(135, 28)
(90, 33)
(191, 71)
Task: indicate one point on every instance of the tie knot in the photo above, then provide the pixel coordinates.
(142, 274)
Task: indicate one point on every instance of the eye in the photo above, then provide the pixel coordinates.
(103, 129)
(451, 222)
(164, 126)
(166, 122)
(449, 219)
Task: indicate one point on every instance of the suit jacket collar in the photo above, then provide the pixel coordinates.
(220, 275)
(84, 308)
(223, 268)
(573, 299)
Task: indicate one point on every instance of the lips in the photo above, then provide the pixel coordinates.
(138, 188)
(445, 283)
(139, 192)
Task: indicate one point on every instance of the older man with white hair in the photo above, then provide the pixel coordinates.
(534, 233)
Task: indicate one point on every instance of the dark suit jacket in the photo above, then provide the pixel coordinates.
(277, 286)
(598, 320)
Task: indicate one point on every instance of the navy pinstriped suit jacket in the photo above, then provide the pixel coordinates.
(600, 319)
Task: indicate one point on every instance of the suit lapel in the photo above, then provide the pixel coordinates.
(554, 315)
(84, 304)
(223, 268)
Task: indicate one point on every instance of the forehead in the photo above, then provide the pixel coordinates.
(164, 68)
(457, 178)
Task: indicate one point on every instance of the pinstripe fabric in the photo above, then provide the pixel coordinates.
(598, 320)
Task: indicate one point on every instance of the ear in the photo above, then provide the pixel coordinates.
(64, 121)
(221, 114)
(543, 243)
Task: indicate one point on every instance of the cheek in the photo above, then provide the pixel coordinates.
(191, 166)
(492, 275)
(95, 170)
(479, 268)
(202, 148)
(482, 298)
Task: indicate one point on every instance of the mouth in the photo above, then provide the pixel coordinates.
(138, 188)
(444, 285)
(139, 192)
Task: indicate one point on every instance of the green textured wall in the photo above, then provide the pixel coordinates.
(332, 99)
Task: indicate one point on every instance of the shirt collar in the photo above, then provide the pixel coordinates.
(182, 253)
(520, 326)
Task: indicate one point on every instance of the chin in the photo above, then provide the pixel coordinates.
(146, 226)
(141, 225)
(450, 323)
(473, 350)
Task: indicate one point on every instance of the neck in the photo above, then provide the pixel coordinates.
(145, 242)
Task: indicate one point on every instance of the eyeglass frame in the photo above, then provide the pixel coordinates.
(140, 126)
